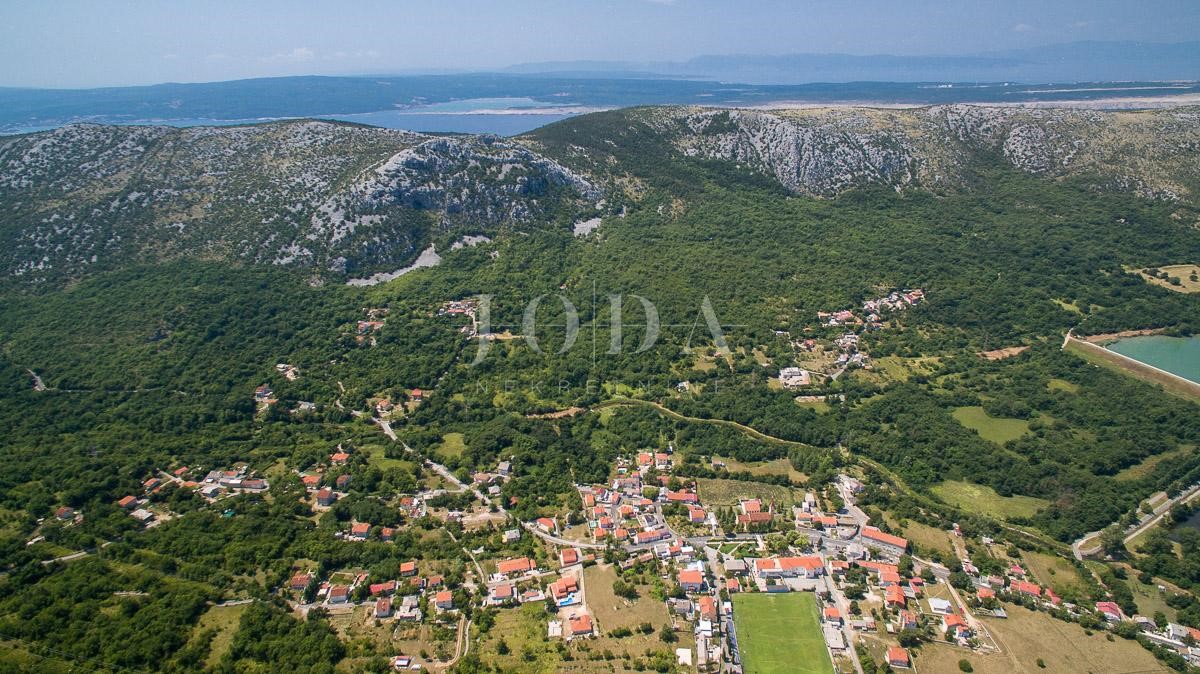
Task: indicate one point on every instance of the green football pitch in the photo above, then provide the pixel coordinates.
(780, 633)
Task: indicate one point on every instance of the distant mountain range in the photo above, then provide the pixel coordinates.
(1070, 62)
(1089, 68)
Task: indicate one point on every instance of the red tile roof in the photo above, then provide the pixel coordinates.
(897, 656)
(581, 624)
(518, 565)
(1026, 587)
(874, 534)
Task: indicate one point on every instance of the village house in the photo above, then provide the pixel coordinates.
(838, 567)
(832, 616)
(564, 591)
(142, 515)
(1027, 588)
(339, 594)
(650, 536)
(383, 608)
(682, 496)
(299, 582)
(789, 567)
(955, 626)
(359, 531)
(326, 497)
(127, 502)
(746, 519)
(794, 377)
(444, 600)
(940, 606)
(1110, 610)
(691, 580)
(409, 609)
(1054, 599)
(515, 567)
(382, 589)
(501, 594)
(547, 524)
(569, 557)
(680, 607)
(893, 596)
(884, 542)
(579, 626)
(897, 657)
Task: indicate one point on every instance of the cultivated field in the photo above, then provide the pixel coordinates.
(452, 446)
(979, 497)
(780, 633)
(1053, 571)
(727, 492)
(1183, 272)
(776, 467)
(1027, 637)
(224, 621)
(929, 538)
(611, 611)
(993, 429)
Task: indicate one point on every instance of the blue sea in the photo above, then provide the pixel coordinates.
(501, 116)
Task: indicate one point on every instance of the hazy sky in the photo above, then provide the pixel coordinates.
(73, 43)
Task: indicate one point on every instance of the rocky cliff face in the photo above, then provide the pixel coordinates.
(825, 151)
(318, 194)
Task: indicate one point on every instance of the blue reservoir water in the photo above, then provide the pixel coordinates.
(1177, 355)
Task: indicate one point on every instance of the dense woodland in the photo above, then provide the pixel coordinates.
(154, 367)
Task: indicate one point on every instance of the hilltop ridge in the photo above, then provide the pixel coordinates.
(342, 199)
